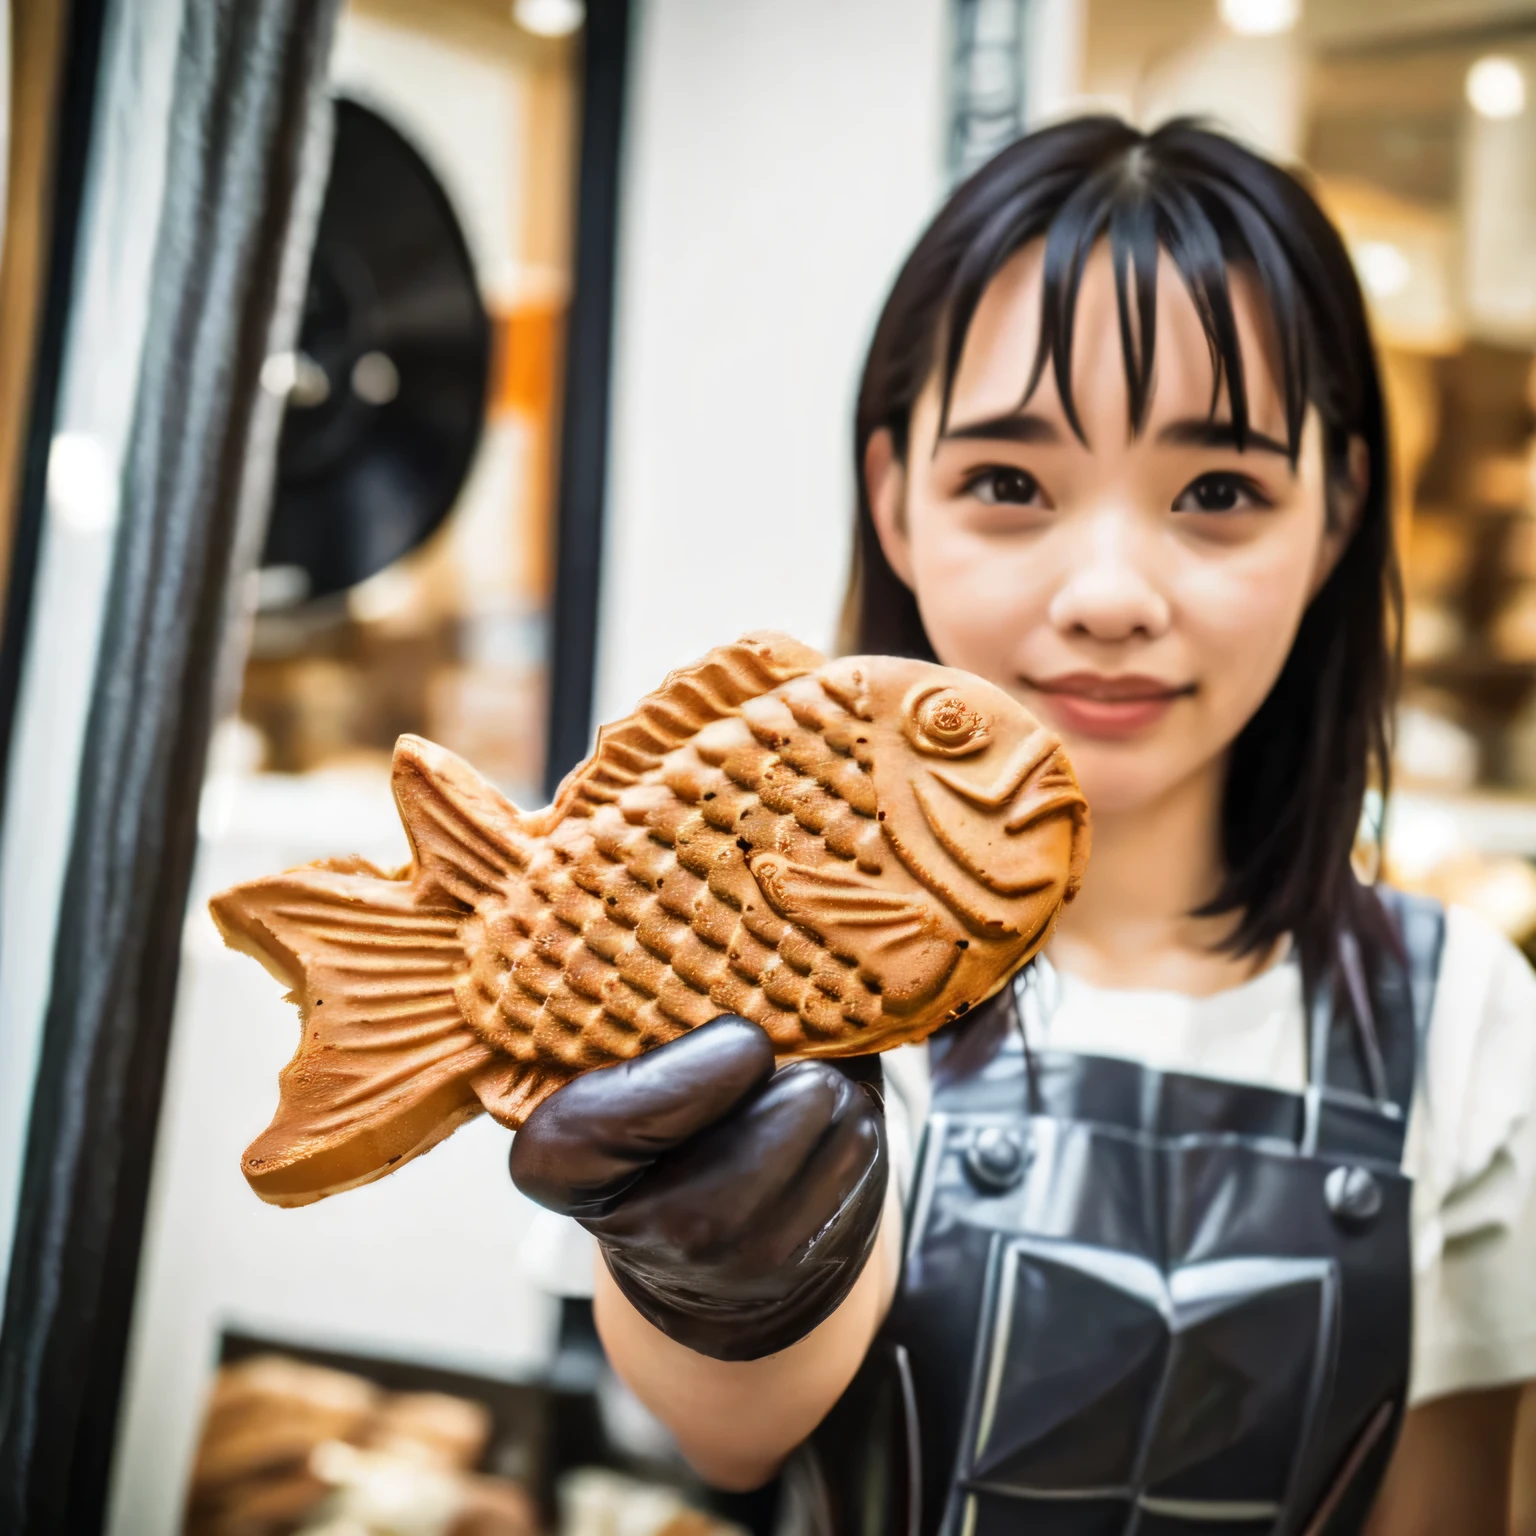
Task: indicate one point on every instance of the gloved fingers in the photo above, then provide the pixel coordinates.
(846, 1174)
(771, 1176)
(737, 1287)
(589, 1140)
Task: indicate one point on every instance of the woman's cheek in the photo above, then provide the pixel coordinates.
(1240, 618)
(976, 600)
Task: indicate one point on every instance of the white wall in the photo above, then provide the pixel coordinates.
(422, 1266)
(780, 161)
(462, 114)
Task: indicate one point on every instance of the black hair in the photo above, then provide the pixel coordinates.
(1300, 768)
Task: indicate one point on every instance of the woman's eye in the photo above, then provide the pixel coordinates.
(1005, 487)
(1220, 493)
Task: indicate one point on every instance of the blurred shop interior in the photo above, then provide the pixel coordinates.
(395, 1360)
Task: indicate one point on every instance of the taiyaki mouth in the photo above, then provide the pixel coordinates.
(849, 853)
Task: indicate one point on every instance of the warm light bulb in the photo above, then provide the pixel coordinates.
(1260, 18)
(549, 18)
(1496, 87)
(1383, 268)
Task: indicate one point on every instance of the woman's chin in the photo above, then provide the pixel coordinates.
(1121, 784)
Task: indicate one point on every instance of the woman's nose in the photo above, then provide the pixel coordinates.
(1109, 594)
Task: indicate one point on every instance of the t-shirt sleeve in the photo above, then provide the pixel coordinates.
(1472, 1154)
(906, 1112)
(558, 1256)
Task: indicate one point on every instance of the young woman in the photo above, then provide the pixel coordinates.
(1233, 1192)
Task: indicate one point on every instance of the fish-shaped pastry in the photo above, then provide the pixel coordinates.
(849, 853)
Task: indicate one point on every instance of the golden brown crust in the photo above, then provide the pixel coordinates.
(381, 1070)
(690, 698)
(848, 853)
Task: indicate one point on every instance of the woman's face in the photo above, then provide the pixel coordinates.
(1138, 593)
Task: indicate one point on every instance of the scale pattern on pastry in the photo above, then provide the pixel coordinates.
(849, 853)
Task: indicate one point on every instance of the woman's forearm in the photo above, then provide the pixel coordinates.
(1450, 1471)
(736, 1421)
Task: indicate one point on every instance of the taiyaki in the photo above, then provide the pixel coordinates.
(849, 853)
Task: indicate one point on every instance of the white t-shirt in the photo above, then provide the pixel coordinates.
(1471, 1146)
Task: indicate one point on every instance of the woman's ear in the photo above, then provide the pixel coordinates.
(1346, 501)
(885, 483)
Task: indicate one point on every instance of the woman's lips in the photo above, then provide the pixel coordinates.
(1109, 708)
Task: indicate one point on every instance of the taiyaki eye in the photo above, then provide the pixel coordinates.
(943, 722)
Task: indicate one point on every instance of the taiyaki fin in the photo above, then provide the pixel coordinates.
(686, 702)
(907, 943)
(509, 1091)
(385, 1059)
(467, 837)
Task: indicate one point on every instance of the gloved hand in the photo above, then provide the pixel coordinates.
(735, 1206)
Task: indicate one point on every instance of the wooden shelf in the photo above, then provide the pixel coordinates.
(1468, 510)
(1470, 665)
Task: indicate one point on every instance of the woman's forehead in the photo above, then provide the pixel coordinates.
(1004, 337)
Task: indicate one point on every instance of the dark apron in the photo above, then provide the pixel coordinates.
(1145, 1302)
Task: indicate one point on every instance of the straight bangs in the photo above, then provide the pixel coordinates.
(1187, 195)
(1207, 231)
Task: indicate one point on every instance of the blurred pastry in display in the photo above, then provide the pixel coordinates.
(370, 1491)
(430, 1427)
(395, 1493)
(289, 1447)
(847, 853)
(596, 1502)
(265, 1415)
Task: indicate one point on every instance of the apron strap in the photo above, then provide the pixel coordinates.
(1409, 988)
(1367, 1052)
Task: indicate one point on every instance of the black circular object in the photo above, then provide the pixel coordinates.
(995, 1159)
(387, 391)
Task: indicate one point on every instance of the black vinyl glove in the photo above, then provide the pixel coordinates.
(735, 1205)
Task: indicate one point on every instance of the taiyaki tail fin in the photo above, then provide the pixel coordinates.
(385, 1058)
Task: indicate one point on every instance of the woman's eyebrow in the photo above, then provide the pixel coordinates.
(1202, 433)
(1016, 427)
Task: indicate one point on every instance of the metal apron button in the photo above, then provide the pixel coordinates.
(1353, 1195)
(995, 1159)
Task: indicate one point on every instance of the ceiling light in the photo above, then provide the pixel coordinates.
(82, 489)
(1496, 87)
(549, 18)
(1382, 267)
(1259, 18)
